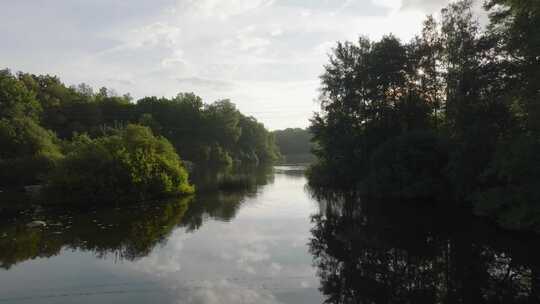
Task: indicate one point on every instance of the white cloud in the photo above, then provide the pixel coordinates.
(202, 83)
(226, 292)
(158, 33)
(425, 5)
(265, 55)
(220, 8)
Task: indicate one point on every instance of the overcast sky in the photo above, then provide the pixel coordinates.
(264, 55)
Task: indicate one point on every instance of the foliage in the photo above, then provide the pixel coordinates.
(294, 144)
(193, 127)
(132, 164)
(387, 107)
(512, 196)
(371, 93)
(28, 152)
(409, 166)
(94, 126)
(15, 99)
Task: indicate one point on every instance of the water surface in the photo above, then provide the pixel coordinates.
(230, 247)
(275, 241)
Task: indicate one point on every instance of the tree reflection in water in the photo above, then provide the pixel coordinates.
(127, 232)
(390, 252)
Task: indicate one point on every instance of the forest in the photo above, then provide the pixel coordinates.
(295, 145)
(102, 146)
(450, 117)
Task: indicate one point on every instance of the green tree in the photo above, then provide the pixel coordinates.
(28, 152)
(15, 99)
(132, 164)
(295, 145)
(370, 94)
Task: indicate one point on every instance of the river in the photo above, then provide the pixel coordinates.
(275, 242)
(249, 247)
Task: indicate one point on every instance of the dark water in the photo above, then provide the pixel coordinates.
(275, 242)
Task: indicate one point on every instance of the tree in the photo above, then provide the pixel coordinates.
(370, 94)
(132, 164)
(514, 24)
(295, 145)
(15, 99)
(28, 152)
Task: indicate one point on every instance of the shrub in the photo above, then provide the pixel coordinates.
(132, 164)
(28, 152)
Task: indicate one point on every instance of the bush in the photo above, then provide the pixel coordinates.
(28, 152)
(132, 164)
(15, 99)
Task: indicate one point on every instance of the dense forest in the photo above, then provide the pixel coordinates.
(452, 114)
(104, 146)
(295, 145)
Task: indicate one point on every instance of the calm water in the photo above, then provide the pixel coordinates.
(276, 242)
(241, 247)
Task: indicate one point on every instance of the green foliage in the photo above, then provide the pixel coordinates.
(28, 152)
(15, 99)
(256, 145)
(388, 107)
(218, 157)
(193, 127)
(223, 121)
(108, 158)
(512, 196)
(132, 164)
(409, 166)
(295, 145)
(372, 93)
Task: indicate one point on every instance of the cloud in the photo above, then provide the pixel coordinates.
(205, 83)
(125, 82)
(265, 55)
(428, 6)
(226, 292)
(336, 7)
(220, 8)
(157, 33)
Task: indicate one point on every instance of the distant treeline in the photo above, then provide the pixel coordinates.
(452, 114)
(295, 145)
(46, 126)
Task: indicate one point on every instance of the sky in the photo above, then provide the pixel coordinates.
(264, 55)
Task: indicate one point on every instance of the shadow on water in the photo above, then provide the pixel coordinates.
(388, 252)
(127, 232)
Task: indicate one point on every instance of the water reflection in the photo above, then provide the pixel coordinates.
(386, 252)
(127, 232)
(257, 245)
(230, 246)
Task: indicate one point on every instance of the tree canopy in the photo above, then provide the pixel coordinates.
(474, 95)
(295, 145)
(100, 144)
(131, 164)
